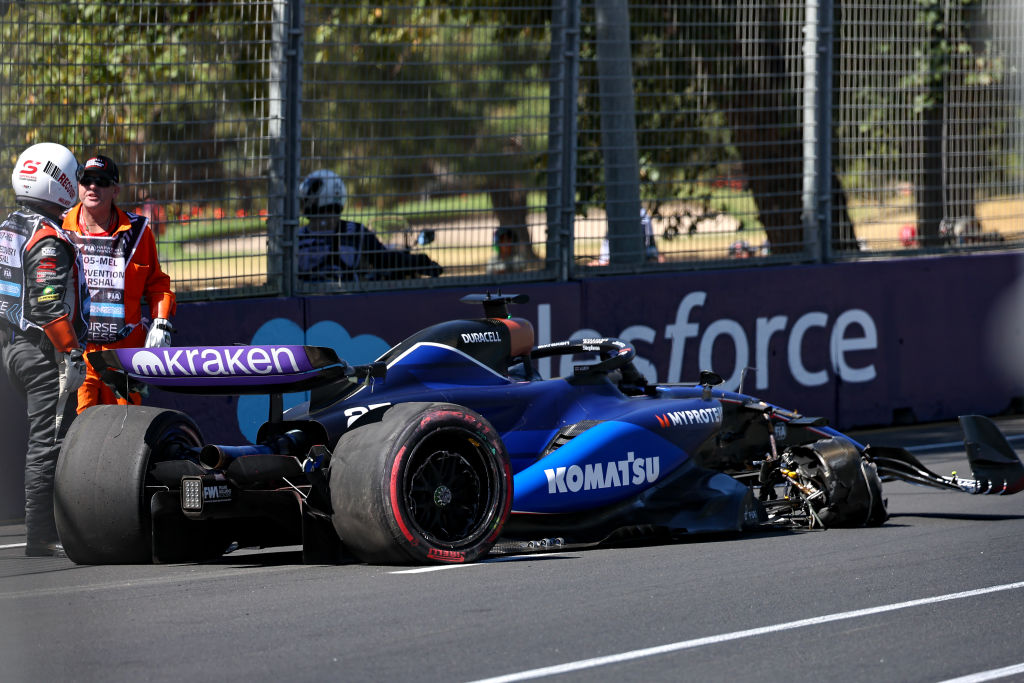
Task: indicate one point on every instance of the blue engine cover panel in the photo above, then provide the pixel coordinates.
(605, 464)
(437, 367)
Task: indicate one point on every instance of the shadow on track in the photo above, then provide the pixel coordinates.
(958, 515)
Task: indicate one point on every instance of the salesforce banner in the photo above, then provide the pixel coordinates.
(863, 344)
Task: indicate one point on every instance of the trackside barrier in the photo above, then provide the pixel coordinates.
(867, 343)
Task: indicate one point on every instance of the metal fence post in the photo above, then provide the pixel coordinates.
(618, 132)
(285, 90)
(817, 185)
(824, 99)
(562, 127)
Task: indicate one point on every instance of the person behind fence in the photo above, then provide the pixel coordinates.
(123, 270)
(331, 249)
(651, 254)
(44, 308)
(153, 210)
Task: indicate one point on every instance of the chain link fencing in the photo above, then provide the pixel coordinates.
(533, 140)
(928, 125)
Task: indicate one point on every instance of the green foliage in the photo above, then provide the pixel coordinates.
(420, 103)
(442, 91)
(892, 91)
(682, 135)
(119, 79)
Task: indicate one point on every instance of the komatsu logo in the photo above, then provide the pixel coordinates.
(245, 360)
(479, 337)
(603, 475)
(702, 416)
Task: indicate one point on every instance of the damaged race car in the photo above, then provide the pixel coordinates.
(451, 447)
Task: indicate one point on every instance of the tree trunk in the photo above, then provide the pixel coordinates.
(509, 198)
(759, 99)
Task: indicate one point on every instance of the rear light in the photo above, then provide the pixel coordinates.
(200, 490)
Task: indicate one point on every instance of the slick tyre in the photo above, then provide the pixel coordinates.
(420, 483)
(853, 489)
(101, 500)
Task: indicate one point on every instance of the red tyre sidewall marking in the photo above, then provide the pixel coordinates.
(499, 521)
(397, 466)
(450, 556)
(396, 506)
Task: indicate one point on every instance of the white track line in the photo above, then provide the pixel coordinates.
(438, 568)
(737, 635)
(990, 675)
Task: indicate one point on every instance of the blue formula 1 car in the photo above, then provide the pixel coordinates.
(450, 447)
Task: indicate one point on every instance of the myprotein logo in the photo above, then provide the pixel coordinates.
(702, 416)
(603, 475)
(214, 362)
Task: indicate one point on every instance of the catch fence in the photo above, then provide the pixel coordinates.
(534, 140)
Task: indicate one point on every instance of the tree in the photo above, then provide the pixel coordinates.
(718, 88)
(185, 71)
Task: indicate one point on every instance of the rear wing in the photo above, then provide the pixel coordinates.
(996, 467)
(231, 370)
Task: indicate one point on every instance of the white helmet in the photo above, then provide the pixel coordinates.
(45, 179)
(322, 193)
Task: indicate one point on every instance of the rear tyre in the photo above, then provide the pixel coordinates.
(103, 485)
(852, 487)
(420, 483)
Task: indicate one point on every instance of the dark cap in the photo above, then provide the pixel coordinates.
(102, 166)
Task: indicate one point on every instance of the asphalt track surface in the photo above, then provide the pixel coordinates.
(936, 594)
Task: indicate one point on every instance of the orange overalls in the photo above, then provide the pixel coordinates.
(121, 268)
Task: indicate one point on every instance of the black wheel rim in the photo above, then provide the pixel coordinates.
(449, 485)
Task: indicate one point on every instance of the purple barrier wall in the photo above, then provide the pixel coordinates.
(860, 343)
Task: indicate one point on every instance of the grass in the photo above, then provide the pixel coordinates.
(231, 251)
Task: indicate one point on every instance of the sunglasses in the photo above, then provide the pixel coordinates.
(88, 180)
